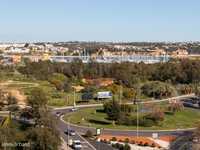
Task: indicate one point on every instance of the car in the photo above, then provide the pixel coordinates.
(58, 113)
(77, 145)
(70, 132)
(74, 109)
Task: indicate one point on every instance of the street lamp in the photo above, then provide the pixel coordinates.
(120, 92)
(68, 120)
(137, 102)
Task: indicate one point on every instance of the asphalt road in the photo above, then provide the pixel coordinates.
(92, 145)
(100, 145)
(63, 126)
(113, 132)
(147, 133)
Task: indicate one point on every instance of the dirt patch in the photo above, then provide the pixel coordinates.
(14, 91)
(19, 95)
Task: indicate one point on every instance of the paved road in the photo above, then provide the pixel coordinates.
(62, 125)
(100, 145)
(83, 129)
(182, 97)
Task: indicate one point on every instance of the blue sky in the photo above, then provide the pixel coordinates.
(99, 20)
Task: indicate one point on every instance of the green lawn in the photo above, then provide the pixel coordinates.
(90, 117)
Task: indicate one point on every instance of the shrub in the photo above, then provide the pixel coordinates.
(158, 89)
(124, 119)
(112, 109)
(117, 145)
(105, 141)
(141, 143)
(126, 108)
(128, 93)
(56, 95)
(114, 139)
(133, 142)
(146, 144)
(126, 140)
(175, 107)
(148, 123)
(88, 134)
(156, 115)
(153, 145)
(126, 147)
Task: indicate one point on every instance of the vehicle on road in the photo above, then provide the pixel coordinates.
(77, 145)
(195, 103)
(74, 109)
(70, 132)
(58, 114)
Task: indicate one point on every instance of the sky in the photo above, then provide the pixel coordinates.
(99, 20)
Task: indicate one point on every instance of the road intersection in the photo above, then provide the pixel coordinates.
(80, 130)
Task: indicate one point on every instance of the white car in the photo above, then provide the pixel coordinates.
(74, 109)
(77, 145)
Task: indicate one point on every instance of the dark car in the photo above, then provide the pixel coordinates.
(70, 132)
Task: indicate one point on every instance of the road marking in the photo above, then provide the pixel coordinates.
(87, 142)
(61, 118)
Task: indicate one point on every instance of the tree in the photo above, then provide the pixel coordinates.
(10, 134)
(126, 108)
(156, 115)
(38, 102)
(127, 147)
(26, 113)
(11, 100)
(186, 89)
(89, 134)
(128, 93)
(112, 109)
(60, 81)
(137, 93)
(197, 91)
(158, 89)
(175, 106)
(43, 138)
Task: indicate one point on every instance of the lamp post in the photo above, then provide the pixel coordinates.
(120, 93)
(68, 120)
(137, 103)
(74, 98)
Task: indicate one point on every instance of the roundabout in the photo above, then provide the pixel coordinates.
(128, 132)
(96, 118)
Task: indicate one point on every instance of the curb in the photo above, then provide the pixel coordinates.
(106, 129)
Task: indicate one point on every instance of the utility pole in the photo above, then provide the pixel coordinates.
(74, 98)
(68, 133)
(137, 120)
(120, 93)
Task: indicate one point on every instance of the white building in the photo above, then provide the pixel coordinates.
(16, 50)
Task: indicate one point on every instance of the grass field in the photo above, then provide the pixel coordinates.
(92, 117)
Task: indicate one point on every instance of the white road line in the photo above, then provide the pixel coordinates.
(87, 142)
(61, 118)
